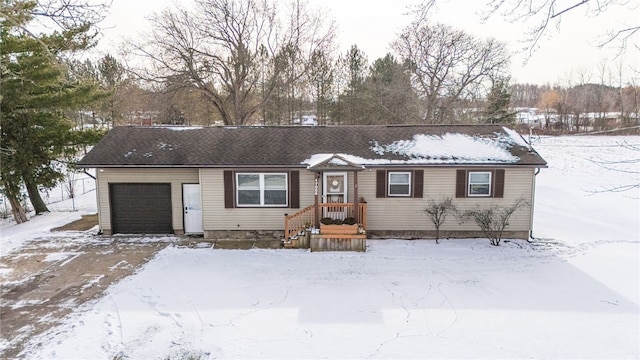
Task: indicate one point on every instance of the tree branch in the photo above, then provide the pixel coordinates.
(570, 8)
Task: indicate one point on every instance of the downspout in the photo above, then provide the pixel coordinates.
(95, 178)
(533, 192)
(88, 174)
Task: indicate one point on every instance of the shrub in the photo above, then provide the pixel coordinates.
(437, 212)
(494, 220)
(349, 221)
(326, 220)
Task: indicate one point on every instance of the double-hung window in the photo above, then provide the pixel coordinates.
(399, 183)
(479, 183)
(261, 189)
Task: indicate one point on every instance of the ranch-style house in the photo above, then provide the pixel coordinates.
(283, 181)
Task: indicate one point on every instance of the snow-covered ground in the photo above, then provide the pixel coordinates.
(38, 227)
(572, 293)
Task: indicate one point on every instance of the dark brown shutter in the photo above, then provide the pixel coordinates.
(228, 189)
(381, 183)
(294, 189)
(418, 183)
(498, 183)
(461, 183)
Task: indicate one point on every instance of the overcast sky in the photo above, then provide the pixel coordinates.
(372, 25)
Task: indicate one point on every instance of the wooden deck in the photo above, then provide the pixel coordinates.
(299, 234)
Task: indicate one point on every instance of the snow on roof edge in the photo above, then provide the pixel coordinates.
(516, 137)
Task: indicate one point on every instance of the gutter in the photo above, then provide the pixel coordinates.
(304, 166)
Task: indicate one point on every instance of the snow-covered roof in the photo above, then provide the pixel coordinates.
(307, 147)
(422, 149)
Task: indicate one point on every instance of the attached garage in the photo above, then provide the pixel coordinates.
(141, 208)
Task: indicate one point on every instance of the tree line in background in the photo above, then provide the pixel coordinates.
(581, 107)
(248, 62)
(230, 62)
(380, 94)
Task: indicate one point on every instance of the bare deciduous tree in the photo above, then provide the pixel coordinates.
(69, 14)
(549, 102)
(233, 51)
(448, 66)
(631, 103)
(70, 187)
(627, 166)
(524, 95)
(542, 17)
(546, 14)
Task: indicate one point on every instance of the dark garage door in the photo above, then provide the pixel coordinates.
(141, 208)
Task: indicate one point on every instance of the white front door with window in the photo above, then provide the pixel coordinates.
(334, 186)
(192, 208)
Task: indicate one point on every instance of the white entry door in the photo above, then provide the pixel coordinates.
(334, 186)
(192, 208)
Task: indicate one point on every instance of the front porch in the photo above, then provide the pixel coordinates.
(332, 222)
(327, 227)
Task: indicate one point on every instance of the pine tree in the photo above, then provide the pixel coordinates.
(112, 76)
(35, 96)
(390, 99)
(354, 66)
(321, 76)
(498, 103)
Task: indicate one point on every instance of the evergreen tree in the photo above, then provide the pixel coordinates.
(354, 66)
(390, 99)
(498, 103)
(112, 78)
(35, 95)
(321, 76)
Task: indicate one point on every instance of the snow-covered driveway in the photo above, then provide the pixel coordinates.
(48, 278)
(401, 299)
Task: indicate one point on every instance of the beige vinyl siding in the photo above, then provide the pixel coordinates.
(217, 217)
(440, 183)
(518, 183)
(176, 177)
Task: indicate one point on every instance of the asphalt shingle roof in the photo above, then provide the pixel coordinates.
(288, 146)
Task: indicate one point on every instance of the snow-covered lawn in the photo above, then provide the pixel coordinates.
(38, 227)
(572, 293)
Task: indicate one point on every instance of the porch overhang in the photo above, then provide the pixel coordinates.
(335, 162)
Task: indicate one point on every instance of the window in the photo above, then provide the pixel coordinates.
(474, 183)
(399, 184)
(479, 183)
(261, 189)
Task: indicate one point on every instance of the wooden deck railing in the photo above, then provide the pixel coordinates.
(297, 222)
